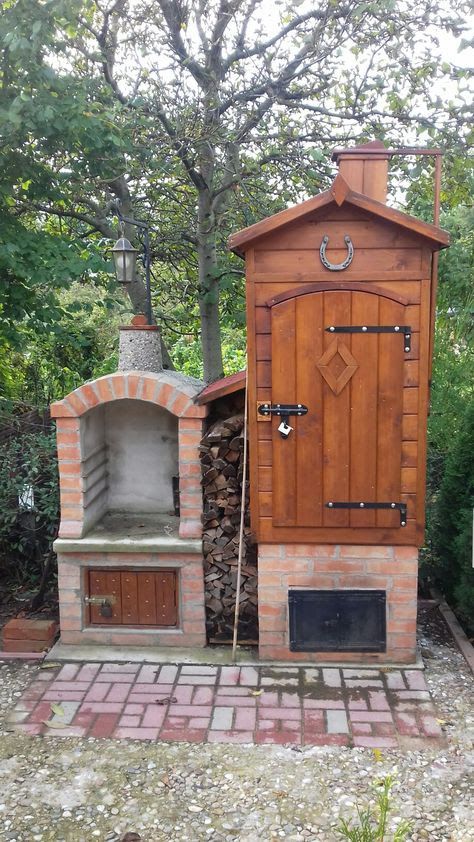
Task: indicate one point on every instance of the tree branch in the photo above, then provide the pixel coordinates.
(261, 47)
(96, 223)
(172, 14)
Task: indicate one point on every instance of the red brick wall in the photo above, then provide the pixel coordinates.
(393, 569)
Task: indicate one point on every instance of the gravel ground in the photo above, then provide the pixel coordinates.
(73, 790)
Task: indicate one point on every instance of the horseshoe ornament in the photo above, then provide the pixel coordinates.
(336, 267)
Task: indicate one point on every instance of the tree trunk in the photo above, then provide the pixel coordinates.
(209, 290)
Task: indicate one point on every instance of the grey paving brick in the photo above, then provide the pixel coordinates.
(337, 722)
(222, 719)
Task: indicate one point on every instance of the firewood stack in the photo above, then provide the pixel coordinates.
(222, 464)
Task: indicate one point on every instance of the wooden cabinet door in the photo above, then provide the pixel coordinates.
(139, 598)
(348, 446)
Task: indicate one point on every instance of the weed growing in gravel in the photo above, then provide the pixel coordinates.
(371, 825)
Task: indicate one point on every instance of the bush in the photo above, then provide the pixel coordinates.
(29, 504)
(452, 528)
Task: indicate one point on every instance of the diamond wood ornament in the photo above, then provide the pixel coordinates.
(336, 380)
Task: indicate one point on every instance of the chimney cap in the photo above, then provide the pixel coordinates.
(375, 149)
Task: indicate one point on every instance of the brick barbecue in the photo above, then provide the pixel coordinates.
(129, 547)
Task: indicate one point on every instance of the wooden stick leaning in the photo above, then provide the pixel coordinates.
(241, 530)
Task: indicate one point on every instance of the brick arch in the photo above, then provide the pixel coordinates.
(166, 390)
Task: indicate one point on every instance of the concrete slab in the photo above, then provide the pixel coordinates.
(132, 533)
(219, 655)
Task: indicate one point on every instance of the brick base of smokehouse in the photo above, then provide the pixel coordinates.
(326, 567)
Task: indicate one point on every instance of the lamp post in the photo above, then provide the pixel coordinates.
(125, 259)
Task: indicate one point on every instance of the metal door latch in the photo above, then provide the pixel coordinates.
(283, 410)
(104, 602)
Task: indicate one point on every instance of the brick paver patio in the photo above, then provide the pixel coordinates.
(377, 708)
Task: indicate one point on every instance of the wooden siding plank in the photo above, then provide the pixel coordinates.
(264, 431)
(409, 480)
(409, 454)
(423, 407)
(410, 427)
(252, 390)
(412, 374)
(269, 286)
(262, 320)
(307, 260)
(264, 453)
(283, 391)
(309, 235)
(308, 428)
(410, 401)
(264, 478)
(264, 374)
(265, 505)
(390, 397)
(264, 346)
(335, 413)
(412, 315)
(363, 388)
(408, 535)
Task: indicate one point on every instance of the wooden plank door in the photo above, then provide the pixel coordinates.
(139, 597)
(348, 446)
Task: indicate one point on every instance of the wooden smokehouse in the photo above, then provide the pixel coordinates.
(340, 305)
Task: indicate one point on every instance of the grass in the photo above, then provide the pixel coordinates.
(371, 822)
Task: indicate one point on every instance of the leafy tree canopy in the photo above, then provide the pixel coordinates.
(201, 117)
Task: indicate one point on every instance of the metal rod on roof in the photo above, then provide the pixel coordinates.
(434, 262)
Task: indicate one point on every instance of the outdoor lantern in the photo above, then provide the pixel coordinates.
(125, 259)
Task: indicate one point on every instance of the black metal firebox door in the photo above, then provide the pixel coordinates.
(337, 620)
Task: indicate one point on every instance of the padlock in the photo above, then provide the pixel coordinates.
(105, 609)
(284, 429)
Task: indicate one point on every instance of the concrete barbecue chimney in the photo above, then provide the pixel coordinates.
(140, 346)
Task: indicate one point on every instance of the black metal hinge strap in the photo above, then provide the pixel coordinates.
(282, 409)
(401, 507)
(405, 330)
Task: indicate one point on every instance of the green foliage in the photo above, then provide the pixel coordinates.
(444, 560)
(371, 825)
(234, 122)
(453, 521)
(47, 117)
(29, 501)
(187, 355)
(80, 346)
(453, 384)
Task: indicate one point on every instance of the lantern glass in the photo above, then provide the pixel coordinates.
(125, 259)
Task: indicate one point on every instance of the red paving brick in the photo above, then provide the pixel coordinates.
(261, 705)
